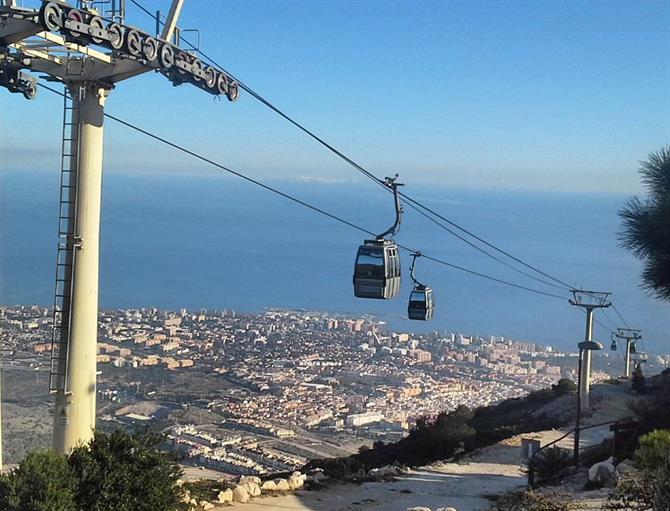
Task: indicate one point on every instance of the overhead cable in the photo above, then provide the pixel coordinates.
(301, 202)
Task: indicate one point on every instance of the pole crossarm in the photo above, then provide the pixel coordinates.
(70, 44)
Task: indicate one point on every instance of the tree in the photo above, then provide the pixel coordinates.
(646, 224)
(123, 472)
(115, 472)
(42, 482)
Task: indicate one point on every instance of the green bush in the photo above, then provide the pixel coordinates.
(654, 450)
(550, 465)
(43, 482)
(115, 472)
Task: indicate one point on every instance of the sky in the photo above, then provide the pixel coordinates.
(547, 96)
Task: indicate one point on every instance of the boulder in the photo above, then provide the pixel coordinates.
(252, 489)
(269, 486)
(206, 505)
(296, 482)
(282, 484)
(240, 495)
(225, 496)
(316, 476)
(603, 472)
(250, 479)
(626, 469)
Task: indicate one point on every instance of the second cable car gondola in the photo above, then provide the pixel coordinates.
(421, 302)
(377, 267)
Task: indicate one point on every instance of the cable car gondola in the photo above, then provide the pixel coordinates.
(613, 346)
(377, 268)
(421, 302)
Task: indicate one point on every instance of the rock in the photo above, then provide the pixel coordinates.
(296, 482)
(626, 469)
(252, 489)
(225, 496)
(206, 505)
(602, 472)
(384, 473)
(269, 486)
(250, 479)
(193, 502)
(446, 509)
(282, 485)
(316, 476)
(240, 494)
(418, 508)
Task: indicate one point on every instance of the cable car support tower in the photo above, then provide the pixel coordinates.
(631, 336)
(589, 301)
(89, 53)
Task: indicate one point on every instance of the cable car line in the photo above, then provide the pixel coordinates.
(480, 249)
(412, 202)
(620, 316)
(371, 176)
(306, 204)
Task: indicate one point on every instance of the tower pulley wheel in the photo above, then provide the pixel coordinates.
(233, 91)
(150, 48)
(115, 32)
(222, 84)
(211, 77)
(95, 26)
(51, 16)
(75, 15)
(166, 56)
(134, 43)
(196, 70)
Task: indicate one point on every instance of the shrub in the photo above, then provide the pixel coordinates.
(122, 472)
(115, 472)
(42, 482)
(529, 501)
(654, 450)
(563, 386)
(550, 465)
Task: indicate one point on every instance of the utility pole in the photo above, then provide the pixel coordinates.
(589, 301)
(60, 40)
(631, 336)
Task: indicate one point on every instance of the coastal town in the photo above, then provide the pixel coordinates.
(261, 393)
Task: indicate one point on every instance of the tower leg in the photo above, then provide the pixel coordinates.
(627, 374)
(74, 420)
(585, 376)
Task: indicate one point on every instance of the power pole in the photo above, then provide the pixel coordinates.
(589, 301)
(631, 336)
(60, 41)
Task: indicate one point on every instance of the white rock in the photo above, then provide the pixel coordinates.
(602, 472)
(446, 509)
(282, 485)
(252, 489)
(240, 494)
(250, 479)
(225, 496)
(206, 505)
(269, 486)
(296, 482)
(418, 508)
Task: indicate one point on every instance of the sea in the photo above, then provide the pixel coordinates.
(206, 240)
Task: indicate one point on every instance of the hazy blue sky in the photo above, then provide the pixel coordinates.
(520, 95)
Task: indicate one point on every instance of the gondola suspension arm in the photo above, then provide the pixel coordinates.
(392, 184)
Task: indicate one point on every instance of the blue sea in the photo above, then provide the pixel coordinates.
(210, 241)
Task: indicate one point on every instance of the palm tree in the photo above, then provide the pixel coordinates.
(646, 225)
